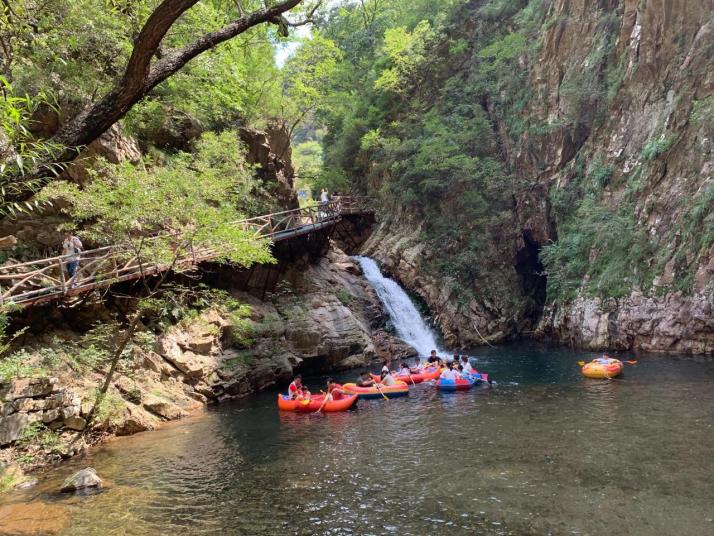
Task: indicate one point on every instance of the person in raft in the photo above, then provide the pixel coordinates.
(334, 390)
(296, 389)
(418, 367)
(364, 380)
(449, 373)
(385, 365)
(468, 369)
(433, 358)
(404, 371)
(386, 379)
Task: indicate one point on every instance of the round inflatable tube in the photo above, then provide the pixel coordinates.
(454, 385)
(343, 403)
(602, 367)
(393, 391)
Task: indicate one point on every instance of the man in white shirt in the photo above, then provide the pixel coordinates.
(71, 246)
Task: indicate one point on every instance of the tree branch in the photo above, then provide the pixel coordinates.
(308, 18)
(141, 76)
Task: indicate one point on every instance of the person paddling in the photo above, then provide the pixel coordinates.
(296, 389)
(334, 392)
(364, 380)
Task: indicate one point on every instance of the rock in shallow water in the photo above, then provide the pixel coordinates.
(82, 480)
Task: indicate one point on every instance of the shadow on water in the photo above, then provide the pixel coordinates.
(545, 451)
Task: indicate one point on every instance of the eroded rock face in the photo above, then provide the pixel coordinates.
(270, 151)
(673, 323)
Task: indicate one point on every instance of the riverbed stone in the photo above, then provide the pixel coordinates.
(86, 478)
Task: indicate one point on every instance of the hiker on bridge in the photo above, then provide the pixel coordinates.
(71, 246)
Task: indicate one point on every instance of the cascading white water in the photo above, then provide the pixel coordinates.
(408, 323)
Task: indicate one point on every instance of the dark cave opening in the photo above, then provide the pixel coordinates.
(533, 280)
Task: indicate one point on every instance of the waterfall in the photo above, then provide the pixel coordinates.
(408, 323)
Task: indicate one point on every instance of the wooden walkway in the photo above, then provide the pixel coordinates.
(30, 283)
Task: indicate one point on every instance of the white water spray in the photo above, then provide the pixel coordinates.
(408, 323)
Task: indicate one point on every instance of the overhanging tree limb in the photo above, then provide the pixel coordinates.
(141, 76)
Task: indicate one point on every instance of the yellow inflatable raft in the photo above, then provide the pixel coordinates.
(602, 367)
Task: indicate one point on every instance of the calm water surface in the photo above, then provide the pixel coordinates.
(545, 451)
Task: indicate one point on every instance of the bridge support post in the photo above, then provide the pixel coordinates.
(63, 282)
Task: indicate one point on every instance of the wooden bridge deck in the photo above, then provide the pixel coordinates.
(30, 283)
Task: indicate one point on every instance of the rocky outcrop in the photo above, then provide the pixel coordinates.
(113, 146)
(673, 323)
(270, 151)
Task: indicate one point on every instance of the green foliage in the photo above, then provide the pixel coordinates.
(109, 408)
(702, 111)
(404, 52)
(19, 149)
(196, 197)
(655, 147)
(16, 366)
(600, 251)
(38, 434)
(240, 329)
(344, 296)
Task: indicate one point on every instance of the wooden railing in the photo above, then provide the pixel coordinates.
(47, 279)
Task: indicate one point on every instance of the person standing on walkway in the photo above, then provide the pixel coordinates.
(71, 246)
(324, 196)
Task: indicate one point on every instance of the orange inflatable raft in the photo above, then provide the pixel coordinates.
(602, 367)
(343, 403)
(393, 391)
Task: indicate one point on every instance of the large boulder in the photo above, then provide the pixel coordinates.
(82, 480)
(114, 146)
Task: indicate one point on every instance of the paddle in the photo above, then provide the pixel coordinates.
(380, 391)
(630, 362)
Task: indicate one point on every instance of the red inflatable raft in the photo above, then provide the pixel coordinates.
(343, 403)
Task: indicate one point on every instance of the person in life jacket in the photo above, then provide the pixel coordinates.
(296, 389)
(334, 390)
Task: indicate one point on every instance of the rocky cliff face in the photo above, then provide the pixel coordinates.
(621, 93)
